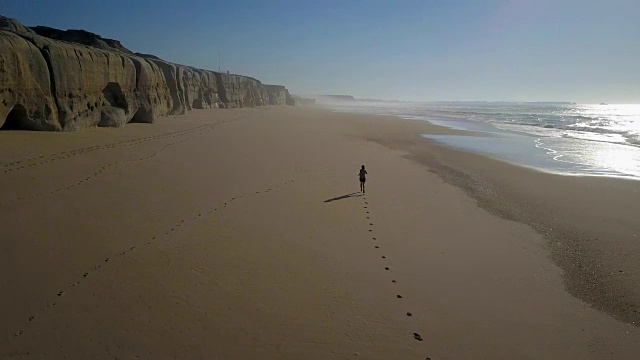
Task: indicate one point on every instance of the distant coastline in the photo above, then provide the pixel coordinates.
(350, 98)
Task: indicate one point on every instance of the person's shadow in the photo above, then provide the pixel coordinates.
(352, 195)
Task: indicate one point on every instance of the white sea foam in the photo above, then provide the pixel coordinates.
(559, 137)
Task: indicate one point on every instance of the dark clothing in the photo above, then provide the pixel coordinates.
(363, 177)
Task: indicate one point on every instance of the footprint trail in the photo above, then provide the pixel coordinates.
(183, 136)
(366, 206)
(163, 235)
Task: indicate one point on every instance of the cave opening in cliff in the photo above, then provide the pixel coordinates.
(142, 116)
(114, 97)
(16, 119)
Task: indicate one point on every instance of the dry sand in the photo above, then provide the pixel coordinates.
(211, 236)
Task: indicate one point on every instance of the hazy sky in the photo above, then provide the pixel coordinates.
(522, 50)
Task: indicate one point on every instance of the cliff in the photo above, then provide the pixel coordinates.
(52, 79)
(276, 94)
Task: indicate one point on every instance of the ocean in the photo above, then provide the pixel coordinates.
(563, 138)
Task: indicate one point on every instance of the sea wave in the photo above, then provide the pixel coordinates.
(592, 139)
(592, 133)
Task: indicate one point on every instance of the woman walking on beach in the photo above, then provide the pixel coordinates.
(363, 178)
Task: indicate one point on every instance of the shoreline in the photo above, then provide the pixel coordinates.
(601, 272)
(599, 264)
(538, 169)
(566, 154)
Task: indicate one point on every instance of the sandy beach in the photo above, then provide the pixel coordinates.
(241, 234)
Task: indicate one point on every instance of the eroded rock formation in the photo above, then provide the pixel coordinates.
(26, 101)
(52, 79)
(276, 94)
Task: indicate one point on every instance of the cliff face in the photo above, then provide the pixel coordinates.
(276, 94)
(240, 91)
(69, 80)
(25, 86)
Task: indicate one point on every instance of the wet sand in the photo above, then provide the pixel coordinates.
(241, 234)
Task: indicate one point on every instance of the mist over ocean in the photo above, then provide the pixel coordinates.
(565, 138)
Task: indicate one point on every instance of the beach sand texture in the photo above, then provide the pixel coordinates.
(241, 234)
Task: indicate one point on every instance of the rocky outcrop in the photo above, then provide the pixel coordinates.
(26, 101)
(276, 94)
(91, 87)
(14, 25)
(69, 80)
(81, 37)
(95, 87)
(152, 94)
(173, 79)
(240, 91)
(200, 88)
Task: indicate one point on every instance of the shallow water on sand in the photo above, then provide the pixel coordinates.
(564, 138)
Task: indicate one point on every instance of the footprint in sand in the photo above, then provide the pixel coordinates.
(384, 257)
(386, 268)
(409, 314)
(417, 337)
(399, 296)
(370, 223)
(375, 238)
(377, 247)
(60, 293)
